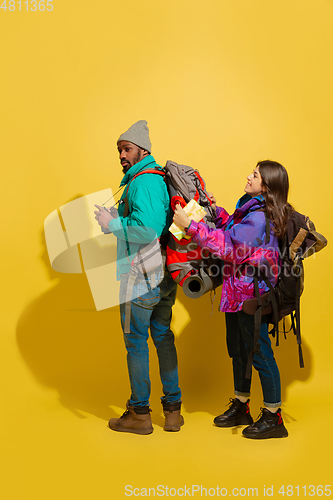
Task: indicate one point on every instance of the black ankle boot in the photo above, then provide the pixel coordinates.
(268, 425)
(238, 414)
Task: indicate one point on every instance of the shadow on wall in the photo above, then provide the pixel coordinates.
(71, 347)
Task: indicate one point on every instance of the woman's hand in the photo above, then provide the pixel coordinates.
(213, 200)
(180, 218)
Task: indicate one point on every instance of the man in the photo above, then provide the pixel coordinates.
(144, 215)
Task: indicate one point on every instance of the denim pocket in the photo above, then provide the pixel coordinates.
(145, 296)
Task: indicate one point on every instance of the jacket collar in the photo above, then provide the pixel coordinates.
(147, 161)
(248, 204)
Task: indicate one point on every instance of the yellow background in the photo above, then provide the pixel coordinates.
(222, 84)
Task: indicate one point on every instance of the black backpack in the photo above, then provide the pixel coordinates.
(300, 241)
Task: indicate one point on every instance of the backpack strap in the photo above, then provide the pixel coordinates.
(147, 171)
(298, 324)
(257, 325)
(129, 291)
(125, 199)
(259, 275)
(295, 254)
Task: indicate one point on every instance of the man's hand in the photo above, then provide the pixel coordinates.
(180, 218)
(103, 216)
(113, 211)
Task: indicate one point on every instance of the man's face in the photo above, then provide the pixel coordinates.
(129, 154)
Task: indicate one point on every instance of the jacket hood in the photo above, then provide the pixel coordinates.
(248, 204)
(245, 205)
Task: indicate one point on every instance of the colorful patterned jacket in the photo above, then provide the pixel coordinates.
(239, 240)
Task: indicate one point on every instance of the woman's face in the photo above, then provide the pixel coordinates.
(253, 186)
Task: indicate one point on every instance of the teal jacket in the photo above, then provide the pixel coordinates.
(149, 214)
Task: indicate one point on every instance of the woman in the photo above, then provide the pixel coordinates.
(240, 241)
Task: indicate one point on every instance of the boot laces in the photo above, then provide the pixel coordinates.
(231, 404)
(126, 412)
(261, 415)
(264, 413)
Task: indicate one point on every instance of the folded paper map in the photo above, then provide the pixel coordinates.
(75, 244)
(195, 212)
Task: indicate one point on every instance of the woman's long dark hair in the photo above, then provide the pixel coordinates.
(276, 183)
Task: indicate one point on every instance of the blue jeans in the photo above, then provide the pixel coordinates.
(240, 332)
(150, 308)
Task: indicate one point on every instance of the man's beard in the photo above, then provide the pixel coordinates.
(128, 165)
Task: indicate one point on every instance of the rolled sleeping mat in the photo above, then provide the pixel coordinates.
(197, 285)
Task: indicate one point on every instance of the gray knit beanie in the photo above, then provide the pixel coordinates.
(138, 134)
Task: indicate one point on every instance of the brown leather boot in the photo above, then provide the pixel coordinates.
(173, 419)
(136, 420)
